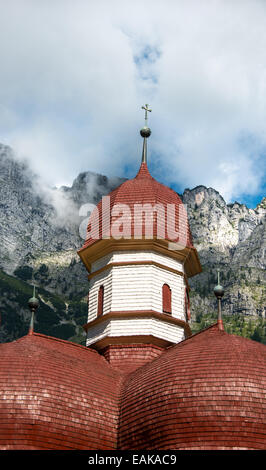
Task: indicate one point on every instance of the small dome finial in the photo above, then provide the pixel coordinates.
(219, 292)
(33, 304)
(145, 132)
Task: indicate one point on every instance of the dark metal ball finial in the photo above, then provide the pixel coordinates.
(33, 303)
(145, 132)
(218, 291)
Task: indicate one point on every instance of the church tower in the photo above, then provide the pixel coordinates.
(131, 388)
(139, 255)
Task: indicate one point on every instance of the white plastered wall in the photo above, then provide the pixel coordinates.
(136, 326)
(136, 287)
(124, 256)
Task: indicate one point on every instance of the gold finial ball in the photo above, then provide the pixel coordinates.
(145, 132)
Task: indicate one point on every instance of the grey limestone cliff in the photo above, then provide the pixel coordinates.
(230, 237)
(40, 233)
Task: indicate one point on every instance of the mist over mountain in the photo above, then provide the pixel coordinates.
(40, 233)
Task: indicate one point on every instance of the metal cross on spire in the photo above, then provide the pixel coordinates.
(145, 132)
(146, 109)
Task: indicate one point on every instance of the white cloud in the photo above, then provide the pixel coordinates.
(75, 74)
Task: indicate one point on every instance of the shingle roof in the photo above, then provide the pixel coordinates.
(56, 395)
(206, 392)
(144, 189)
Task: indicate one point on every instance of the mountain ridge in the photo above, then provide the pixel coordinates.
(40, 236)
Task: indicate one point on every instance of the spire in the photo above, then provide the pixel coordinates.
(33, 304)
(145, 132)
(219, 292)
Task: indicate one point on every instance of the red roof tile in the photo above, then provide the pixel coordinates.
(144, 189)
(56, 395)
(207, 392)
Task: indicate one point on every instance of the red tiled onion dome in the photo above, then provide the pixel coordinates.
(144, 189)
(207, 392)
(56, 395)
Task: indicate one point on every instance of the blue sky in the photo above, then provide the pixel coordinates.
(74, 75)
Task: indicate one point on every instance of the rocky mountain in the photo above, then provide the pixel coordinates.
(42, 228)
(231, 237)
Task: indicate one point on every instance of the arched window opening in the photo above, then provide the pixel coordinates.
(167, 299)
(187, 305)
(100, 301)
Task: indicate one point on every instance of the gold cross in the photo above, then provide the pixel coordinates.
(146, 108)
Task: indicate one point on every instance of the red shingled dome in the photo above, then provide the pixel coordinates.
(56, 395)
(144, 189)
(207, 392)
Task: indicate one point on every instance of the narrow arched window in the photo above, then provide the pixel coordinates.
(167, 299)
(187, 305)
(100, 301)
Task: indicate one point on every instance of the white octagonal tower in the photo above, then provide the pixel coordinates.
(139, 254)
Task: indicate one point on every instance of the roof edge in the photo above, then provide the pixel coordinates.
(53, 338)
(213, 326)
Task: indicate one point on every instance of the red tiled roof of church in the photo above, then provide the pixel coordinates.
(207, 392)
(144, 189)
(56, 395)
